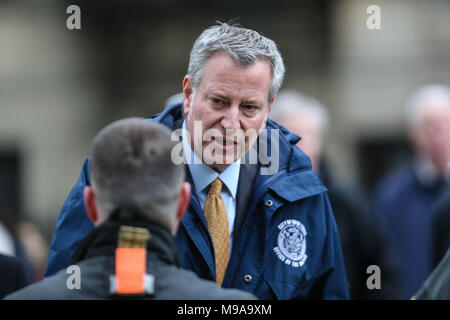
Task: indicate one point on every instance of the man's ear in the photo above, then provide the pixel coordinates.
(183, 202)
(187, 94)
(270, 107)
(89, 203)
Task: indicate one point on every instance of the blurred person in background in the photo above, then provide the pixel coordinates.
(12, 275)
(137, 199)
(175, 98)
(35, 247)
(405, 197)
(11, 243)
(362, 236)
(21, 238)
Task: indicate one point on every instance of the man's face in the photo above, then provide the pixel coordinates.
(432, 134)
(231, 100)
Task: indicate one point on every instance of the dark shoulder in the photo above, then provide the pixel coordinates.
(437, 285)
(64, 285)
(12, 275)
(180, 284)
(48, 289)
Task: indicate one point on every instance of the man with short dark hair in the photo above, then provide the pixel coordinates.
(261, 226)
(137, 199)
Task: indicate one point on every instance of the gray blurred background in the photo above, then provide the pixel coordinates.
(58, 87)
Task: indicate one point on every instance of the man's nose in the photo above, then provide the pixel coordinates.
(231, 118)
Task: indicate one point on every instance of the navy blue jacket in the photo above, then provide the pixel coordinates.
(288, 244)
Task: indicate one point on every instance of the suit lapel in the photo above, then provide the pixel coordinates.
(247, 176)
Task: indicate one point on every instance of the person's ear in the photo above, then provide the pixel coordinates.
(89, 203)
(270, 107)
(183, 203)
(187, 94)
(185, 198)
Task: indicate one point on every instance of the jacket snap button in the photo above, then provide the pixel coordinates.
(269, 203)
(248, 278)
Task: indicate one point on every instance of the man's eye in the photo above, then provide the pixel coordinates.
(250, 108)
(217, 101)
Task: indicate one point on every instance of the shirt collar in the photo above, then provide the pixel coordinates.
(202, 175)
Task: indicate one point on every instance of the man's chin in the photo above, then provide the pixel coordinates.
(219, 164)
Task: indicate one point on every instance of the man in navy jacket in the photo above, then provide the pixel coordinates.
(283, 236)
(405, 197)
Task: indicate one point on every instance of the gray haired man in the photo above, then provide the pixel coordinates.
(405, 197)
(270, 234)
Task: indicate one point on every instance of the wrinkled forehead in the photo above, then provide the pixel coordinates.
(242, 60)
(430, 108)
(222, 70)
(434, 110)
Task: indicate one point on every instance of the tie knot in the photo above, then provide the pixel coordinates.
(216, 186)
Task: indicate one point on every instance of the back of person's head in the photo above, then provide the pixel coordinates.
(425, 98)
(428, 119)
(131, 164)
(291, 103)
(245, 46)
(175, 98)
(305, 116)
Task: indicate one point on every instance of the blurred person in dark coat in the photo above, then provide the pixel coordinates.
(137, 198)
(441, 227)
(12, 275)
(11, 242)
(362, 236)
(405, 197)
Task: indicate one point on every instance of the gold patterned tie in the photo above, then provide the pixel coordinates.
(216, 217)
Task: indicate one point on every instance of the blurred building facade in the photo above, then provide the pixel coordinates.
(58, 87)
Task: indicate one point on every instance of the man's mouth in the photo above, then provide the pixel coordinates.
(225, 141)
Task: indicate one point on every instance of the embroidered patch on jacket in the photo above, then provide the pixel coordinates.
(291, 242)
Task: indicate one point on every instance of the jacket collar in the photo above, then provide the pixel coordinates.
(172, 116)
(103, 240)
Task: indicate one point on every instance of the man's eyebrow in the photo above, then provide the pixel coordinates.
(252, 102)
(218, 95)
(223, 96)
